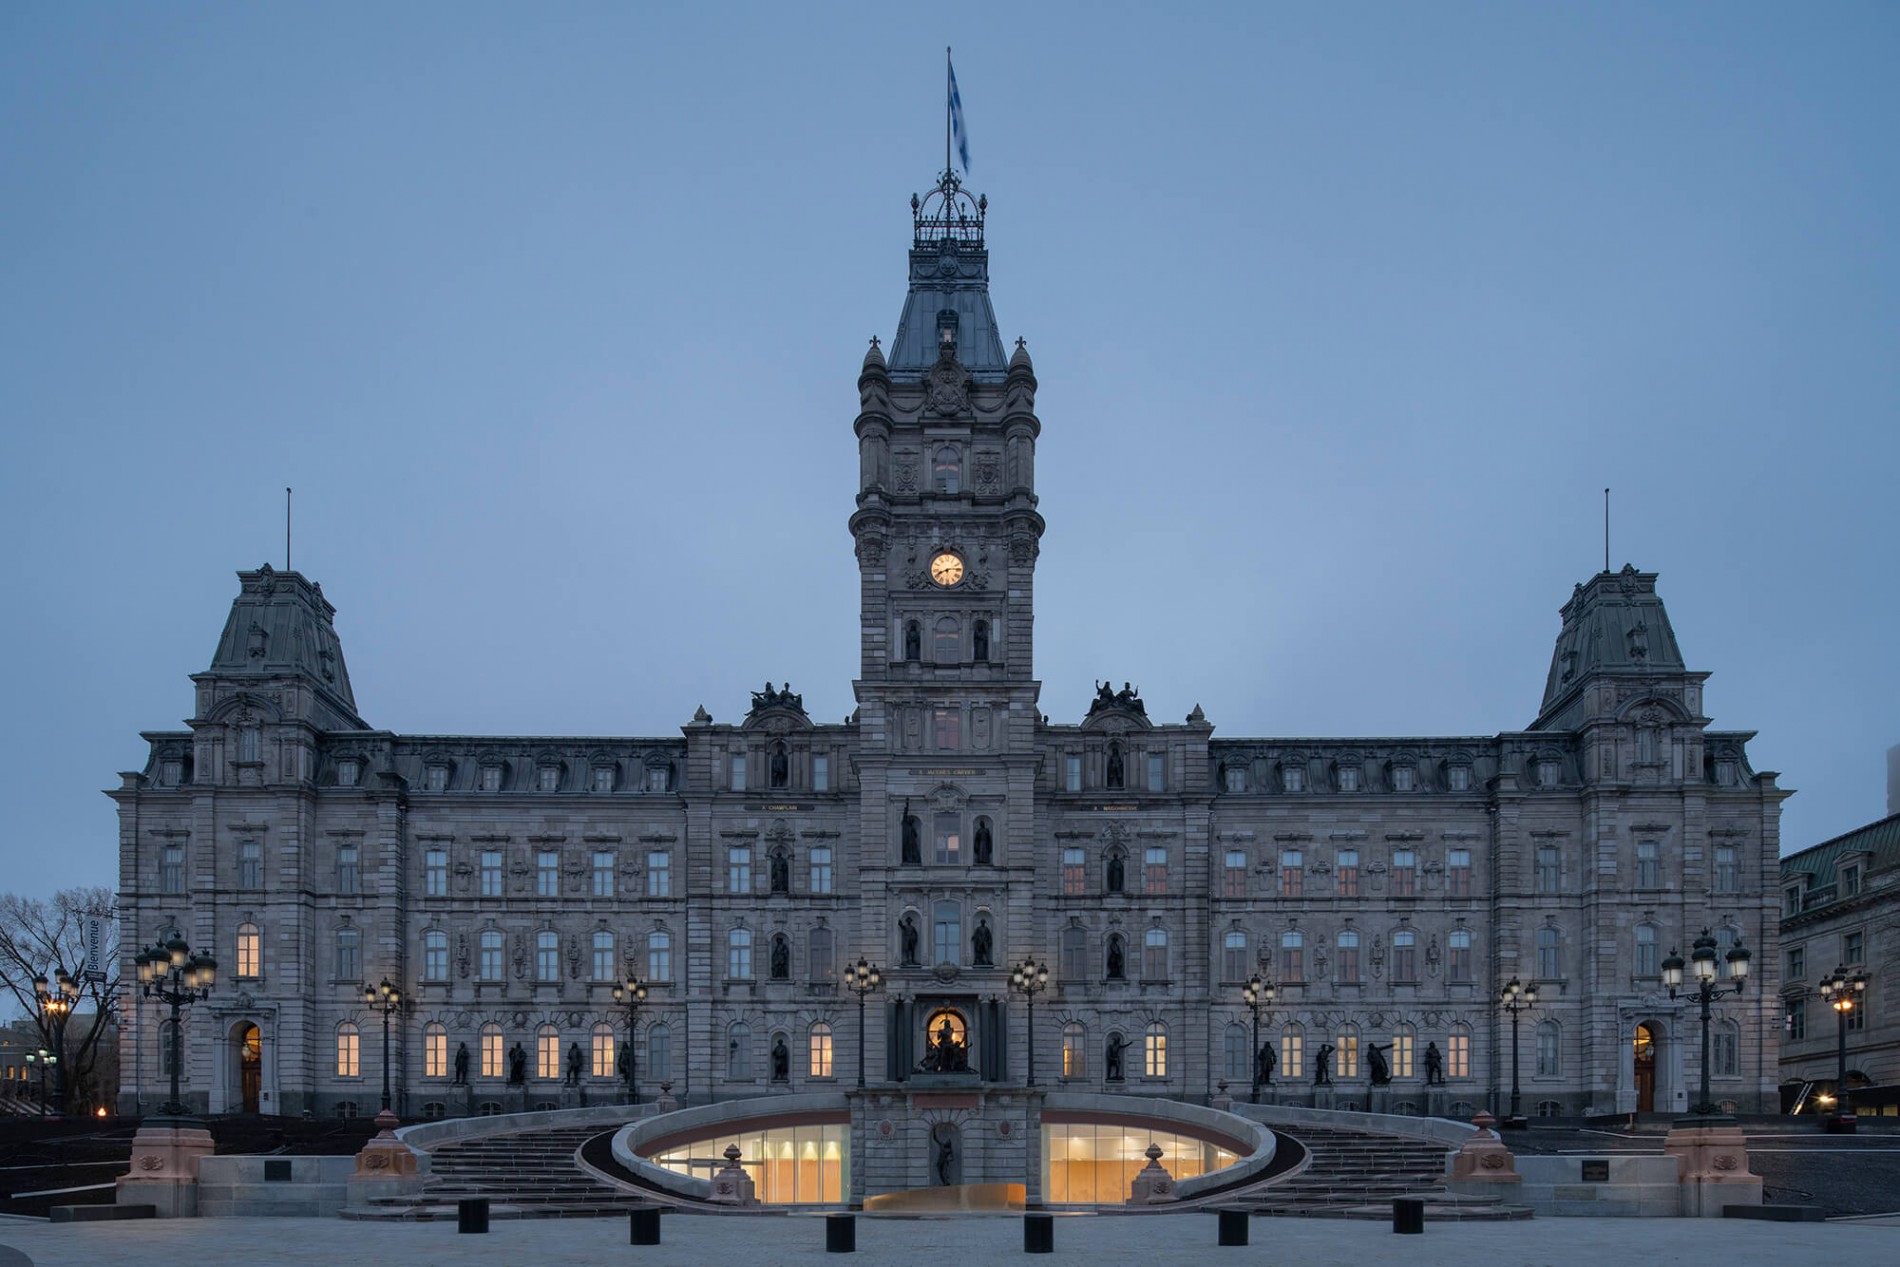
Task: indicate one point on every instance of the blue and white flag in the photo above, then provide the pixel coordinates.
(957, 130)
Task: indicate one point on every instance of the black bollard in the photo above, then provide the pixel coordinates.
(841, 1234)
(471, 1214)
(1039, 1233)
(1233, 1227)
(1408, 1215)
(643, 1225)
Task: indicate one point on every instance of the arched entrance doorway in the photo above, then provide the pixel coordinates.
(1645, 1066)
(247, 1050)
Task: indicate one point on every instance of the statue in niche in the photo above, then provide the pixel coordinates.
(1323, 1066)
(461, 1064)
(1434, 1066)
(781, 959)
(781, 772)
(907, 935)
(517, 1066)
(781, 1059)
(982, 641)
(1376, 1068)
(1115, 777)
(1116, 1046)
(1114, 877)
(781, 868)
(624, 1065)
(575, 1061)
(945, 1162)
(985, 846)
(1117, 965)
(980, 945)
(1264, 1063)
(913, 839)
(913, 642)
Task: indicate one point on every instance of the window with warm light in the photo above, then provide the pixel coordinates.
(603, 1059)
(1074, 872)
(348, 1051)
(1458, 1053)
(250, 951)
(547, 1052)
(435, 1051)
(492, 1066)
(1154, 1051)
(821, 1050)
(1292, 872)
(1075, 1046)
(1293, 1052)
(1346, 873)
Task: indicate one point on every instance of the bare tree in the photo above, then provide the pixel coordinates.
(38, 938)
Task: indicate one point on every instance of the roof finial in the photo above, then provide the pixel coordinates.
(874, 340)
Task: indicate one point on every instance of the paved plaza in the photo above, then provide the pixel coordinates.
(701, 1240)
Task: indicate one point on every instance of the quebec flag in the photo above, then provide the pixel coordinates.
(957, 131)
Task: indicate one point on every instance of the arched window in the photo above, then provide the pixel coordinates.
(1725, 1056)
(944, 641)
(349, 955)
(946, 932)
(1292, 957)
(435, 955)
(492, 1066)
(913, 641)
(659, 956)
(604, 967)
(1346, 1053)
(739, 1050)
(1549, 1049)
(547, 955)
(1233, 955)
(435, 1050)
(601, 1048)
(547, 1052)
(781, 966)
(1116, 968)
(659, 1063)
(820, 1050)
(1549, 960)
(980, 636)
(946, 471)
(348, 1050)
(739, 954)
(250, 951)
(1154, 955)
(1400, 1059)
(1237, 1054)
(1647, 964)
(1346, 958)
(1154, 1051)
(1072, 963)
(1075, 1045)
(1405, 956)
(1458, 1051)
(1293, 1052)
(820, 965)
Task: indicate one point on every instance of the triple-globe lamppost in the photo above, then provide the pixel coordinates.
(1703, 964)
(385, 999)
(1030, 979)
(55, 999)
(42, 1058)
(172, 974)
(1257, 993)
(1843, 992)
(1516, 998)
(632, 993)
(862, 978)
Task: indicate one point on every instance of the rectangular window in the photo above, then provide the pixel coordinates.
(1458, 778)
(739, 955)
(1550, 869)
(171, 869)
(1791, 902)
(659, 777)
(1458, 1056)
(547, 873)
(1728, 869)
(1404, 873)
(1074, 1051)
(1346, 872)
(547, 1054)
(1292, 872)
(491, 1053)
(1072, 774)
(491, 957)
(1154, 955)
(1850, 881)
(1346, 959)
(603, 778)
(821, 869)
(348, 879)
(1853, 949)
(250, 865)
(1797, 1019)
(491, 778)
(1349, 778)
(250, 951)
(1648, 865)
(659, 873)
(1401, 1057)
(1154, 1053)
(435, 956)
(435, 1053)
(1234, 778)
(349, 955)
(1346, 1060)
(949, 840)
(1458, 872)
(1549, 964)
(547, 956)
(820, 772)
(347, 1053)
(437, 779)
(435, 873)
(1293, 778)
(1292, 958)
(550, 778)
(603, 956)
(739, 869)
(1550, 1052)
(946, 728)
(1074, 872)
(1404, 957)
(1857, 1018)
(946, 937)
(491, 873)
(1458, 956)
(1727, 1059)
(1234, 874)
(1647, 964)
(602, 1053)
(659, 1053)
(1797, 964)
(659, 957)
(1154, 869)
(1293, 1056)
(821, 1051)
(603, 873)
(737, 772)
(1403, 777)
(248, 744)
(1233, 963)
(1157, 772)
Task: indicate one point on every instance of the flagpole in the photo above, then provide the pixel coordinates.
(946, 107)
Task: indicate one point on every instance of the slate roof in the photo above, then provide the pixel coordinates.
(1817, 866)
(949, 270)
(1613, 624)
(281, 624)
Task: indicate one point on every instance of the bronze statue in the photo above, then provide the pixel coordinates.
(1434, 1066)
(1376, 1068)
(985, 846)
(1115, 964)
(980, 945)
(574, 1063)
(1114, 876)
(907, 932)
(781, 868)
(913, 839)
(1264, 1063)
(517, 1066)
(1323, 1066)
(781, 1060)
(1116, 1046)
(461, 1064)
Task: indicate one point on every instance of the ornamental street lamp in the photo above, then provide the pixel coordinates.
(862, 978)
(633, 992)
(1843, 993)
(42, 1058)
(386, 999)
(1516, 998)
(1257, 993)
(1702, 957)
(1030, 979)
(170, 973)
(55, 1000)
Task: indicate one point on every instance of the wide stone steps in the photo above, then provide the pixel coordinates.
(1358, 1174)
(524, 1175)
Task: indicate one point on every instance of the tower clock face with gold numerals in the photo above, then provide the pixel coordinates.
(946, 569)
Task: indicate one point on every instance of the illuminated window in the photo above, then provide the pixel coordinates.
(435, 873)
(435, 955)
(1154, 1051)
(1400, 1057)
(491, 1051)
(491, 873)
(1292, 872)
(547, 1052)
(603, 1062)
(1458, 1053)
(1075, 1046)
(1346, 958)
(1458, 955)
(250, 865)
(1346, 873)
(348, 1050)
(547, 873)
(1292, 957)
(1074, 872)
(821, 1050)
(1154, 955)
(1404, 956)
(659, 873)
(1404, 873)
(739, 869)
(490, 967)
(1154, 869)
(603, 873)
(739, 954)
(1293, 1052)
(1233, 962)
(435, 1051)
(1458, 872)
(659, 956)
(1346, 1055)
(1234, 874)
(250, 951)
(603, 955)
(547, 955)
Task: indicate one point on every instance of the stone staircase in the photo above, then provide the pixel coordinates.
(524, 1175)
(1357, 1174)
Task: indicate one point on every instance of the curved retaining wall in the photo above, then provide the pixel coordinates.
(712, 1119)
(1191, 1119)
(427, 1135)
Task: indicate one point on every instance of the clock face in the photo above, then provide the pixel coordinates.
(946, 569)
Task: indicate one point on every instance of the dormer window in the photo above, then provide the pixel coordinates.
(1850, 880)
(1458, 778)
(491, 778)
(603, 778)
(550, 778)
(348, 772)
(1546, 771)
(171, 772)
(437, 778)
(947, 331)
(1293, 778)
(1403, 778)
(1348, 776)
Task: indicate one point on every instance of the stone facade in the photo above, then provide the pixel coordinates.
(947, 831)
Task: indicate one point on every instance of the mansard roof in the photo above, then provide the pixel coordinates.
(1613, 624)
(949, 272)
(1816, 868)
(281, 624)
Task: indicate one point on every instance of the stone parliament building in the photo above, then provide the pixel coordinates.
(1387, 887)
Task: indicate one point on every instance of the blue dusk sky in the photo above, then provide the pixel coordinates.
(1344, 316)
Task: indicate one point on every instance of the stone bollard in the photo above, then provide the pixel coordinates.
(841, 1234)
(1152, 1185)
(471, 1214)
(732, 1185)
(1039, 1233)
(1408, 1215)
(1233, 1227)
(643, 1225)
(1483, 1158)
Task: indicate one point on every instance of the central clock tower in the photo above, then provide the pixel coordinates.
(947, 536)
